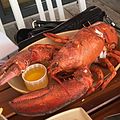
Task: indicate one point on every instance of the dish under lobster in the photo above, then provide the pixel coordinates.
(69, 66)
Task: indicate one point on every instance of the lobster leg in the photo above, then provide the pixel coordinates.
(53, 73)
(80, 72)
(115, 54)
(100, 78)
(57, 38)
(100, 75)
(112, 70)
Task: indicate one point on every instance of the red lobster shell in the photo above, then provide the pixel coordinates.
(75, 56)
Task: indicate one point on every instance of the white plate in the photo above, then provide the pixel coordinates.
(17, 83)
(73, 114)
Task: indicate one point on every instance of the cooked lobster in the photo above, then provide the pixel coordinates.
(73, 59)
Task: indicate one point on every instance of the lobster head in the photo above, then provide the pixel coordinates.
(106, 32)
(66, 60)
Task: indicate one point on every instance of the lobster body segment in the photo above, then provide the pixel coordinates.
(85, 44)
(69, 68)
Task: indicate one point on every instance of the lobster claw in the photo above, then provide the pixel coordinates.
(13, 67)
(8, 74)
(51, 99)
(16, 64)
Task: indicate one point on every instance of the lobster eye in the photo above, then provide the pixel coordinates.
(112, 46)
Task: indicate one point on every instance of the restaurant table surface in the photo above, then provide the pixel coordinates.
(98, 105)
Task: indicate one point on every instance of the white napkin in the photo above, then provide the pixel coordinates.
(7, 47)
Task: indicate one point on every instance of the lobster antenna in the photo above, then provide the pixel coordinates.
(116, 68)
(89, 23)
(83, 25)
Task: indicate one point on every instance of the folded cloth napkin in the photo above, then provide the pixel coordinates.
(7, 47)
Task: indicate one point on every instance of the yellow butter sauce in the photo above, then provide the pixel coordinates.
(35, 74)
(35, 77)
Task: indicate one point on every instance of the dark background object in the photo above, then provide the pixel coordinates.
(28, 7)
(85, 18)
